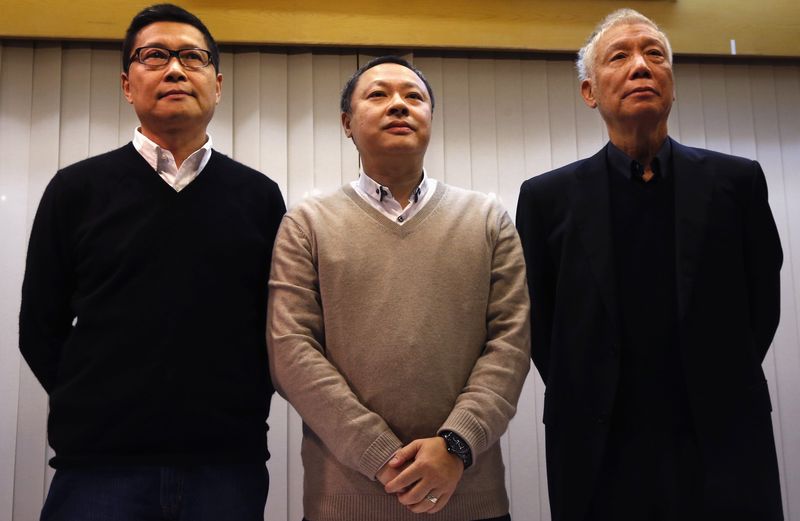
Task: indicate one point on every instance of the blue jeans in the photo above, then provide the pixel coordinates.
(195, 493)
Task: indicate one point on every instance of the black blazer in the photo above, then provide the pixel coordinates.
(728, 258)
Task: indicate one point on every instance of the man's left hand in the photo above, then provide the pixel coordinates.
(427, 484)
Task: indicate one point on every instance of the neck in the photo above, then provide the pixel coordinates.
(401, 178)
(641, 144)
(181, 144)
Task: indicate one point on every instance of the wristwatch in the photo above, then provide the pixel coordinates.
(457, 446)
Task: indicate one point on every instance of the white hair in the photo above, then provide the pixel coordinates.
(587, 54)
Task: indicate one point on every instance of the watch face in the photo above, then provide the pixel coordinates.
(455, 443)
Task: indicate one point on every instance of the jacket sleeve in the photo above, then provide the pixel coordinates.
(357, 437)
(763, 259)
(45, 318)
(489, 399)
(542, 276)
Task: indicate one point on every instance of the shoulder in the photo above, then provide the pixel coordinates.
(317, 210)
(241, 173)
(475, 201)
(98, 166)
(711, 157)
(563, 177)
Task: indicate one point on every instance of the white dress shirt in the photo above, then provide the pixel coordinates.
(381, 198)
(163, 162)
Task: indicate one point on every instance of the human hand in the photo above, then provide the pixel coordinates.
(390, 470)
(434, 473)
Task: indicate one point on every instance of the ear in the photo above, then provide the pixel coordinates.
(346, 125)
(219, 87)
(126, 87)
(587, 92)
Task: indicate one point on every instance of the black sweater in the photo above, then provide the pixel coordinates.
(143, 312)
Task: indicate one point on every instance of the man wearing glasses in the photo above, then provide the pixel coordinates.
(144, 303)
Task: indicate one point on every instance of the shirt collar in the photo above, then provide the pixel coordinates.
(152, 152)
(379, 192)
(619, 161)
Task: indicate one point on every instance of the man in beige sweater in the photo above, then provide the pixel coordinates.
(398, 324)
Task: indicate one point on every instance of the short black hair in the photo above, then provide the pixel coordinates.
(165, 13)
(350, 86)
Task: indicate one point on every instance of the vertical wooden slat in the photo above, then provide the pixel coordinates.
(590, 129)
(787, 345)
(30, 471)
(561, 102)
(455, 114)
(16, 77)
(510, 131)
(482, 126)
(348, 64)
(325, 110)
(76, 67)
(301, 127)
(740, 111)
(765, 116)
(301, 184)
(690, 99)
(274, 96)
(431, 67)
(246, 99)
(221, 127)
(538, 159)
(715, 108)
(104, 101)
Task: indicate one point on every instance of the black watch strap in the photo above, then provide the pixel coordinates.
(456, 445)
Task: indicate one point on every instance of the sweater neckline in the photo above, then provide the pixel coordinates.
(391, 226)
(156, 178)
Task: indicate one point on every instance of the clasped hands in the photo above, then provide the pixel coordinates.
(423, 475)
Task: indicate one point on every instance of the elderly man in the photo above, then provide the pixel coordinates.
(144, 303)
(654, 277)
(398, 324)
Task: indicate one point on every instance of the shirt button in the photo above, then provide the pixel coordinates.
(400, 219)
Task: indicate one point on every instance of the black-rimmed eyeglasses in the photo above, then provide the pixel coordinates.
(192, 59)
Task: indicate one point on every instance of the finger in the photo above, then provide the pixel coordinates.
(441, 501)
(428, 503)
(405, 454)
(416, 493)
(405, 479)
(395, 461)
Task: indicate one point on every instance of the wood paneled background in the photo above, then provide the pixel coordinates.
(496, 122)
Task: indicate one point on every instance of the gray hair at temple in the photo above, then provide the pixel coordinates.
(587, 55)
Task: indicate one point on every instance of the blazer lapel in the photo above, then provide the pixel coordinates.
(593, 221)
(693, 190)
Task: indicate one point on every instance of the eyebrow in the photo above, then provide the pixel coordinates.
(626, 42)
(405, 84)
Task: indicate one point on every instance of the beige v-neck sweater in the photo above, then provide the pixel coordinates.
(380, 334)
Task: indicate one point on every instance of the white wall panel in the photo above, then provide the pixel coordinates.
(496, 122)
(16, 78)
(787, 354)
(31, 468)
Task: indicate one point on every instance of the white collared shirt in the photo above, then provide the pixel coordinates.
(163, 161)
(381, 198)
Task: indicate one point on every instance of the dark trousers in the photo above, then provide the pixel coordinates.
(196, 493)
(649, 476)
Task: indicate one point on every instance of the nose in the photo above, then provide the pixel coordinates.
(174, 70)
(640, 68)
(397, 105)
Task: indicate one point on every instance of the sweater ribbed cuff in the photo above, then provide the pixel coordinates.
(467, 427)
(378, 453)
